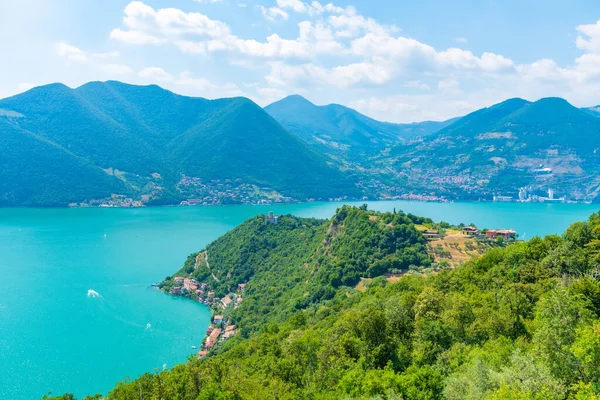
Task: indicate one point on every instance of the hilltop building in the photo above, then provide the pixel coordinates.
(272, 219)
(505, 233)
(470, 231)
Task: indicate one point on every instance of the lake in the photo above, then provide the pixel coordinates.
(54, 337)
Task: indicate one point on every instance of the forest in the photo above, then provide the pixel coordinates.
(520, 322)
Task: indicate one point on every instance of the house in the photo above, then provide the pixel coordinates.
(218, 319)
(430, 234)
(272, 219)
(228, 334)
(226, 301)
(504, 233)
(211, 295)
(470, 231)
(176, 291)
(179, 280)
(241, 287)
(202, 353)
(212, 339)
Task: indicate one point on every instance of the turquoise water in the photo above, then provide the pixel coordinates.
(55, 338)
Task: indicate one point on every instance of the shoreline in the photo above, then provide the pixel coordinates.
(292, 203)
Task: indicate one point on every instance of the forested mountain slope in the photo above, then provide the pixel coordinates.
(300, 262)
(342, 132)
(144, 139)
(544, 144)
(521, 322)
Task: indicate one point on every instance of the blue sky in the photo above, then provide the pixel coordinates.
(397, 60)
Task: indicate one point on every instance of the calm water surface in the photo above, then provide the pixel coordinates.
(55, 338)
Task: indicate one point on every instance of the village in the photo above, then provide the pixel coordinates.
(199, 192)
(220, 329)
(454, 246)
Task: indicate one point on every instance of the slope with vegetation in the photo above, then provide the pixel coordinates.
(520, 322)
(301, 262)
(64, 145)
(544, 144)
(341, 132)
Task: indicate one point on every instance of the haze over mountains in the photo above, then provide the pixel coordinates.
(62, 145)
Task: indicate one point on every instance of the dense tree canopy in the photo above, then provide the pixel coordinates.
(521, 322)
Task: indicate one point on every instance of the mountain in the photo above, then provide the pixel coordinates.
(341, 131)
(65, 145)
(539, 145)
(593, 110)
(518, 322)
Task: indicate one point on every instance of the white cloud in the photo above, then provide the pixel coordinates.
(71, 52)
(294, 5)
(118, 69)
(336, 47)
(351, 25)
(340, 76)
(135, 37)
(448, 84)
(590, 41)
(155, 74)
(206, 88)
(416, 84)
(94, 60)
(148, 26)
(273, 13)
(314, 8)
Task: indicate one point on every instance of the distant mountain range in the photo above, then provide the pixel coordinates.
(62, 145)
(497, 150)
(342, 132)
(117, 144)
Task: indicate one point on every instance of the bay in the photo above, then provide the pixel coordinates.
(54, 337)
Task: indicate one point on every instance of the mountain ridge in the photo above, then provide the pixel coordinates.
(502, 148)
(151, 138)
(342, 132)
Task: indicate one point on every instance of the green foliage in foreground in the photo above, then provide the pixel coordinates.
(521, 322)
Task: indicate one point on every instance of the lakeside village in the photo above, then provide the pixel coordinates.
(526, 195)
(220, 329)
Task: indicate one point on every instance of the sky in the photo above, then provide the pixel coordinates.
(394, 60)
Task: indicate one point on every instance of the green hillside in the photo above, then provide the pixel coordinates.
(520, 322)
(301, 262)
(147, 139)
(35, 171)
(496, 150)
(341, 131)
